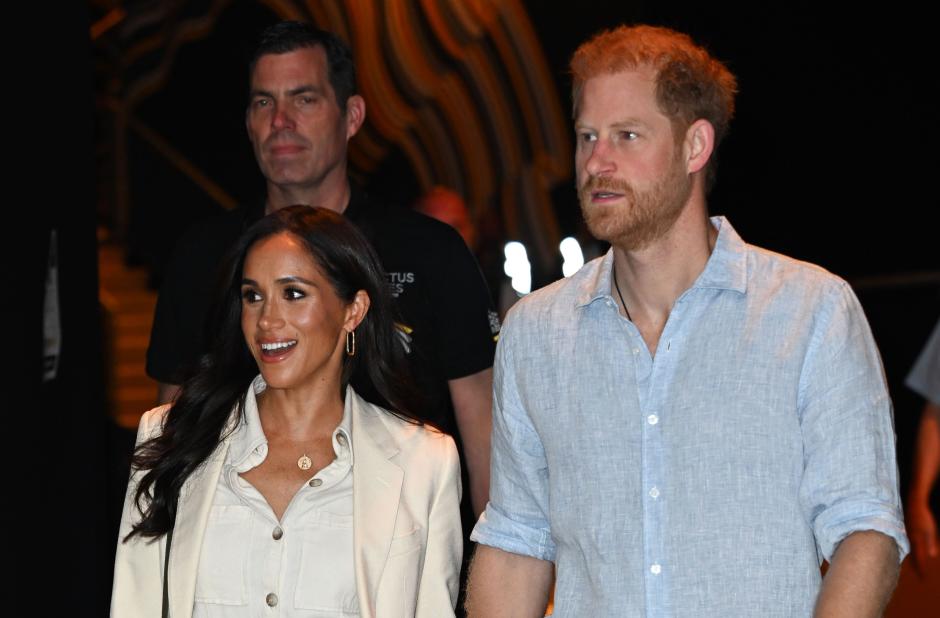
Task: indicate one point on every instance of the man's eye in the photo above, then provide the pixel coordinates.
(587, 137)
(628, 135)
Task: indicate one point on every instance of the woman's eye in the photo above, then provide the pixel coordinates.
(293, 294)
(250, 296)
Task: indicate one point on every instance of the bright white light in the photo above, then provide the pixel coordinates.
(517, 267)
(574, 258)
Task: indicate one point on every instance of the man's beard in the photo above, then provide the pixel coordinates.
(641, 217)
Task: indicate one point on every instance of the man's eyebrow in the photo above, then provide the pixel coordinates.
(303, 88)
(627, 123)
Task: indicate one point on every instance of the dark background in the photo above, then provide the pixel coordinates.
(831, 159)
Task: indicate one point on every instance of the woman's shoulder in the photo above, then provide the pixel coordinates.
(409, 434)
(151, 422)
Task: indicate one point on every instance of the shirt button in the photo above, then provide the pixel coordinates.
(654, 493)
(652, 419)
(271, 599)
(277, 533)
(656, 569)
(636, 351)
(316, 482)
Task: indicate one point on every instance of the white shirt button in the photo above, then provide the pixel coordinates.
(636, 351)
(654, 493)
(656, 569)
(652, 419)
(277, 533)
(271, 599)
(316, 482)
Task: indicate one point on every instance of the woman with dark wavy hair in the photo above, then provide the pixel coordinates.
(274, 485)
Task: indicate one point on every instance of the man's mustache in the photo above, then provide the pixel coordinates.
(604, 183)
(285, 137)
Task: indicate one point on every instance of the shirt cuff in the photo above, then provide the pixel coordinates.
(839, 522)
(497, 530)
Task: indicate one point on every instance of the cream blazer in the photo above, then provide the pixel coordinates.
(407, 534)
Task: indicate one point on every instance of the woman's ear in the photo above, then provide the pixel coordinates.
(356, 310)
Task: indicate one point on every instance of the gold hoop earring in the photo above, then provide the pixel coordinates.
(350, 343)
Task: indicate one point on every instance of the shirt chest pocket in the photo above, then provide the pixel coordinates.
(224, 557)
(327, 578)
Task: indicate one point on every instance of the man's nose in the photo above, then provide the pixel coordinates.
(282, 118)
(599, 162)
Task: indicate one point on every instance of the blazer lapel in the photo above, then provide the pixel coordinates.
(376, 492)
(192, 516)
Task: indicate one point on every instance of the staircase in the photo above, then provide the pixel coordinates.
(128, 306)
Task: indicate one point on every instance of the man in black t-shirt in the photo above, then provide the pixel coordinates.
(302, 112)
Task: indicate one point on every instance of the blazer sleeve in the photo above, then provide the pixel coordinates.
(437, 589)
(137, 590)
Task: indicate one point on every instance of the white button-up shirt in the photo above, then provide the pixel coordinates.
(251, 564)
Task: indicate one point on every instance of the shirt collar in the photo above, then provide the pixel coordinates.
(725, 269)
(248, 438)
(342, 435)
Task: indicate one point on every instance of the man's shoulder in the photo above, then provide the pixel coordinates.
(393, 220)
(560, 298)
(769, 268)
(207, 238)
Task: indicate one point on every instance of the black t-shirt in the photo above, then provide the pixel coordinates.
(439, 289)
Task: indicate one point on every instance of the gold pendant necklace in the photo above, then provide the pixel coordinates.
(304, 462)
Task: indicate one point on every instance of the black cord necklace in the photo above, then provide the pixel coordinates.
(622, 302)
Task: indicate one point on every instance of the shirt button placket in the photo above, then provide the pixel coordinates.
(654, 510)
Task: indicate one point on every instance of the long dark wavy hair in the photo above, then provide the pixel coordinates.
(201, 414)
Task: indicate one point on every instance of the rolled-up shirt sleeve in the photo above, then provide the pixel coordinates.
(850, 474)
(516, 517)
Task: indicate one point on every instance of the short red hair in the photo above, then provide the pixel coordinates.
(690, 84)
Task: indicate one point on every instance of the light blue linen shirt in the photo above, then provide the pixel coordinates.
(711, 479)
(924, 378)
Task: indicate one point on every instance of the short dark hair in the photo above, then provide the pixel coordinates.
(287, 36)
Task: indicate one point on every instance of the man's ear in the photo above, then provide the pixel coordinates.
(355, 115)
(699, 144)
